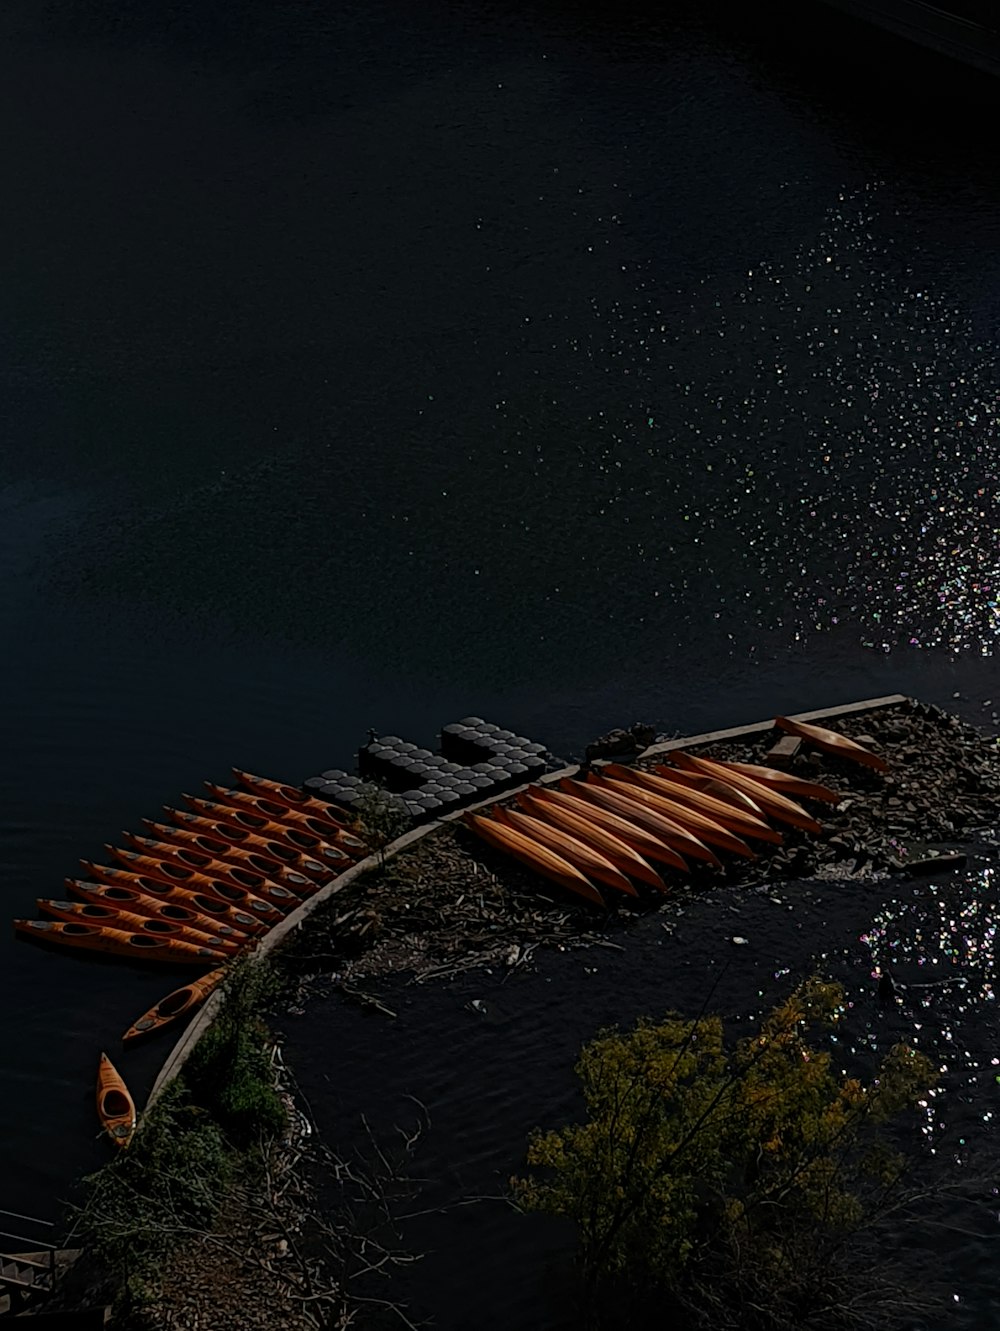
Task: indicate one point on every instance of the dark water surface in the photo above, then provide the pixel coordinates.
(376, 364)
(490, 1056)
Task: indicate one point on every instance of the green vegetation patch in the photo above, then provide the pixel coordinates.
(727, 1183)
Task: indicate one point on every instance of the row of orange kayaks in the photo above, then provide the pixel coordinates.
(198, 888)
(626, 825)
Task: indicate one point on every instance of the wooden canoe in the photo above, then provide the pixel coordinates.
(703, 826)
(220, 849)
(92, 912)
(619, 852)
(740, 823)
(785, 783)
(181, 1003)
(117, 942)
(581, 855)
(280, 793)
(774, 805)
(641, 840)
(720, 790)
(284, 833)
(131, 899)
(537, 857)
(181, 896)
(831, 741)
(115, 1107)
(680, 838)
(285, 889)
(283, 815)
(179, 875)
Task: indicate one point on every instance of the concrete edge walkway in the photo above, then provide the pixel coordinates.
(275, 937)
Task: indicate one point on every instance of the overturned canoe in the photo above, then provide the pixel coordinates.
(179, 875)
(710, 785)
(260, 860)
(641, 840)
(280, 793)
(741, 822)
(283, 815)
(774, 804)
(577, 852)
(601, 792)
(139, 903)
(115, 1107)
(94, 912)
(832, 742)
(706, 829)
(286, 889)
(785, 783)
(537, 857)
(181, 896)
(117, 942)
(181, 1003)
(619, 852)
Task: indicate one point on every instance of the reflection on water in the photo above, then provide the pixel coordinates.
(941, 943)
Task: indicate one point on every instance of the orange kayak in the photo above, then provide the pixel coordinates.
(773, 804)
(292, 837)
(115, 1107)
(286, 889)
(181, 1003)
(221, 849)
(680, 838)
(179, 875)
(741, 822)
(700, 824)
(785, 783)
(282, 815)
(279, 793)
(577, 852)
(182, 896)
(641, 840)
(117, 942)
(92, 912)
(537, 857)
(130, 899)
(619, 852)
(831, 741)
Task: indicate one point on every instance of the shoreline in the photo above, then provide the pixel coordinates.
(484, 981)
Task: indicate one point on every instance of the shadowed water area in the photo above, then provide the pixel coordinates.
(374, 365)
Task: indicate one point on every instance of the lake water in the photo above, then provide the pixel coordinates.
(372, 365)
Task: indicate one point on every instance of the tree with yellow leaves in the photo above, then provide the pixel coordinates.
(730, 1180)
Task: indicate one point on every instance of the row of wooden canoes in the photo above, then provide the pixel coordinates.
(626, 825)
(196, 890)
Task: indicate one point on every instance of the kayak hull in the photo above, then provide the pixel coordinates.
(115, 1106)
(174, 1008)
(538, 858)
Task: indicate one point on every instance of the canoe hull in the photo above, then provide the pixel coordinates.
(619, 852)
(578, 853)
(536, 857)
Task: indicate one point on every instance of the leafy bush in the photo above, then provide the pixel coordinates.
(730, 1180)
(155, 1195)
(228, 1072)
